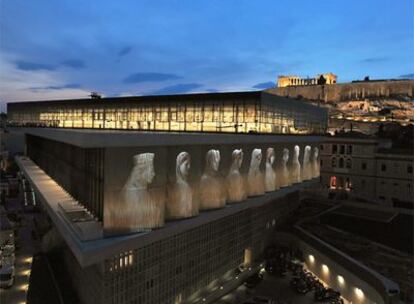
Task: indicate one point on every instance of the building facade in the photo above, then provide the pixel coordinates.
(242, 112)
(165, 217)
(80, 179)
(292, 80)
(368, 169)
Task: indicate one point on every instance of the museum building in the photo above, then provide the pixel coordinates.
(157, 216)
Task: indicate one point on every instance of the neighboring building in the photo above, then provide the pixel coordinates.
(361, 167)
(110, 193)
(286, 81)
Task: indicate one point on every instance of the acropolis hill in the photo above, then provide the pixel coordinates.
(334, 93)
(360, 105)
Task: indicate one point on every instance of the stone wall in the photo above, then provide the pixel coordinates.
(348, 91)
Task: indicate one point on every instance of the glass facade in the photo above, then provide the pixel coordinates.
(245, 112)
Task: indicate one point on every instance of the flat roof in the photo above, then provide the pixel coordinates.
(102, 138)
(140, 99)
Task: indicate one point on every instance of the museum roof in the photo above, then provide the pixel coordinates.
(143, 99)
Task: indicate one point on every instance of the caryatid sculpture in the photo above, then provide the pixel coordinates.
(212, 192)
(307, 165)
(141, 208)
(284, 176)
(255, 180)
(180, 195)
(315, 162)
(270, 174)
(236, 190)
(295, 172)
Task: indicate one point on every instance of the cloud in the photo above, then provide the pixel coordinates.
(374, 60)
(18, 85)
(178, 89)
(33, 66)
(264, 85)
(74, 63)
(149, 77)
(407, 76)
(124, 51)
(58, 87)
(211, 90)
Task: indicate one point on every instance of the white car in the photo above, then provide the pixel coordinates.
(7, 273)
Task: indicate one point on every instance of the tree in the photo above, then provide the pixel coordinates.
(321, 80)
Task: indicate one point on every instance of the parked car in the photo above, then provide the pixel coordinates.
(7, 273)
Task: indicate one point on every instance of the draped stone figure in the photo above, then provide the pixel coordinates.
(236, 190)
(181, 203)
(211, 190)
(307, 165)
(315, 162)
(295, 169)
(255, 180)
(140, 207)
(284, 177)
(270, 174)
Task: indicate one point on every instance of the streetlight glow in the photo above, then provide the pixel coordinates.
(311, 258)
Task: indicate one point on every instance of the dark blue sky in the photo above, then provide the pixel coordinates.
(61, 49)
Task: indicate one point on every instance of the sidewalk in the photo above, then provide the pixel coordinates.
(25, 248)
(224, 285)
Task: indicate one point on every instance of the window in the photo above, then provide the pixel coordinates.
(332, 182)
(342, 149)
(333, 162)
(341, 163)
(364, 166)
(381, 197)
(321, 147)
(349, 163)
(383, 167)
(334, 149)
(349, 150)
(410, 169)
(321, 163)
(348, 184)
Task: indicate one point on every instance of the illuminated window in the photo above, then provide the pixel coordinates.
(332, 183)
(348, 184)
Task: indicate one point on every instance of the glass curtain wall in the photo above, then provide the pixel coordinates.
(236, 116)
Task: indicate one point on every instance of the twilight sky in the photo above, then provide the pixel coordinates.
(68, 48)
